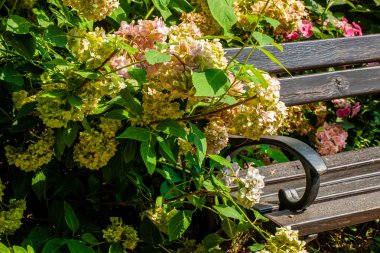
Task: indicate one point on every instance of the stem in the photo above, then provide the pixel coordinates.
(149, 12)
(5, 113)
(202, 116)
(13, 7)
(2, 3)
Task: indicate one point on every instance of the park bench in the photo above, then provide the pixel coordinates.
(337, 190)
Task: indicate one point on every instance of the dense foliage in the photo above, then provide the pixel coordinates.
(115, 115)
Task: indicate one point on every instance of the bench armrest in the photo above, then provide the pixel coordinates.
(312, 162)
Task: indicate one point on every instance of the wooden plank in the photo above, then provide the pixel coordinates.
(315, 54)
(349, 173)
(330, 214)
(326, 86)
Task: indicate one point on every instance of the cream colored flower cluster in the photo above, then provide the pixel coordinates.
(160, 217)
(37, 153)
(20, 98)
(288, 12)
(284, 241)
(263, 114)
(202, 18)
(92, 48)
(93, 9)
(54, 111)
(96, 148)
(118, 232)
(249, 186)
(297, 123)
(10, 220)
(216, 135)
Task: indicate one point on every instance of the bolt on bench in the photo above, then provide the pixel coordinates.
(336, 190)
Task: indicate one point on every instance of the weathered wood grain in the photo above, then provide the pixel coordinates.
(315, 54)
(326, 86)
(330, 215)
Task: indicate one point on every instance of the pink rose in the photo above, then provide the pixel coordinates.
(292, 36)
(343, 112)
(305, 28)
(355, 109)
(358, 29)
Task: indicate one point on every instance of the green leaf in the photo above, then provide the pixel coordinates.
(262, 38)
(18, 25)
(39, 184)
(259, 216)
(211, 83)
(136, 133)
(54, 93)
(118, 15)
(198, 138)
(148, 154)
(120, 114)
(221, 160)
(10, 75)
(70, 217)
(162, 6)
(131, 103)
(53, 245)
(55, 35)
(223, 13)
(76, 246)
(256, 247)
(4, 249)
(153, 57)
(88, 74)
(170, 174)
(180, 6)
(228, 211)
(29, 249)
(138, 74)
(18, 249)
(42, 18)
(60, 144)
(75, 100)
(26, 109)
(89, 238)
(273, 59)
(219, 184)
(273, 22)
(229, 227)
(212, 240)
(70, 133)
(171, 127)
(115, 248)
(178, 224)
(56, 63)
(129, 151)
(166, 148)
(24, 45)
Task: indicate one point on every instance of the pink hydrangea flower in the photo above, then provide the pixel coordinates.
(331, 139)
(305, 28)
(291, 36)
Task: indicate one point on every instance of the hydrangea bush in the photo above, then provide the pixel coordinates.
(114, 116)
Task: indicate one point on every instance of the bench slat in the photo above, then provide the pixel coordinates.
(348, 178)
(315, 54)
(330, 215)
(326, 86)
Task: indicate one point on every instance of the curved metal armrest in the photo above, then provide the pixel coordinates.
(312, 162)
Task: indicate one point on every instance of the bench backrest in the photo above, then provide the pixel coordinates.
(308, 55)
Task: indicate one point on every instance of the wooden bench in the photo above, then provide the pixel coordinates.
(337, 190)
